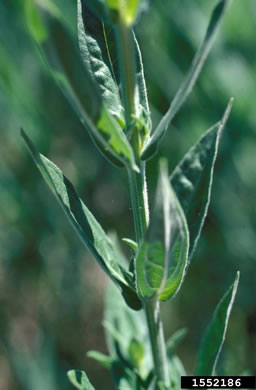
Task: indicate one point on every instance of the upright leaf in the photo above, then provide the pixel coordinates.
(190, 79)
(64, 63)
(80, 380)
(175, 340)
(215, 334)
(176, 370)
(120, 320)
(162, 258)
(85, 224)
(92, 42)
(144, 111)
(99, 53)
(192, 178)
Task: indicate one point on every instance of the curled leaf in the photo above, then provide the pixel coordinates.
(161, 260)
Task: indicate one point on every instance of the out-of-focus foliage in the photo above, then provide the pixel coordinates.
(51, 292)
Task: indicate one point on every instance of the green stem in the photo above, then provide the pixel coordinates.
(139, 198)
(138, 190)
(156, 334)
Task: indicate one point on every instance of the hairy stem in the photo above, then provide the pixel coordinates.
(156, 334)
(138, 190)
(137, 183)
(139, 199)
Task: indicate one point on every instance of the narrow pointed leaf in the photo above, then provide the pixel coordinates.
(120, 320)
(88, 229)
(132, 244)
(175, 340)
(92, 42)
(64, 63)
(144, 111)
(162, 258)
(192, 179)
(190, 79)
(215, 334)
(176, 370)
(104, 360)
(80, 380)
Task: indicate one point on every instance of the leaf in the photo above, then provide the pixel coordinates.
(129, 10)
(215, 334)
(88, 229)
(162, 258)
(120, 320)
(189, 81)
(176, 370)
(136, 352)
(92, 44)
(104, 360)
(192, 179)
(99, 52)
(132, 244)
(80, 380)
(65, 65)
(144, 111)
(123, 377)
(175, 340)
(34, 23)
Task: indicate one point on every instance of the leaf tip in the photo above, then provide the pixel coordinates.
(237, 279)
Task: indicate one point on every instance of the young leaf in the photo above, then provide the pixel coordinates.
(176, 370)
(80, 380)
(99, 53)
(104, 360)
(120, 320)
(215, 334)
(92, 42)
(192, 179)
(65, 65)
(162, 258)
(128, 10)
(136, 352)
(85, 224)
(144, 111)
(175, 340)
(189, 81)
(132, 244)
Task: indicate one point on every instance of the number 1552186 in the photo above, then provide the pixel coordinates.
(218, 382)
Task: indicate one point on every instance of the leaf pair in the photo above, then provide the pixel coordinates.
(90, 81)
(85, 224)
(181, 206)
(187, 85)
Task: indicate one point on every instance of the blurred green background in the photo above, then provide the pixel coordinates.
(51, 290)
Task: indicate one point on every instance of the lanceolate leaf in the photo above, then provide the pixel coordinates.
(142, 89)
(104, 360)
(175, 340)
(190, 79)
(215, 334)
(80, 380)
(99, 52)
(192, 179)
(162, 258)
(92, 42)
(85, 224)
(84, 94)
